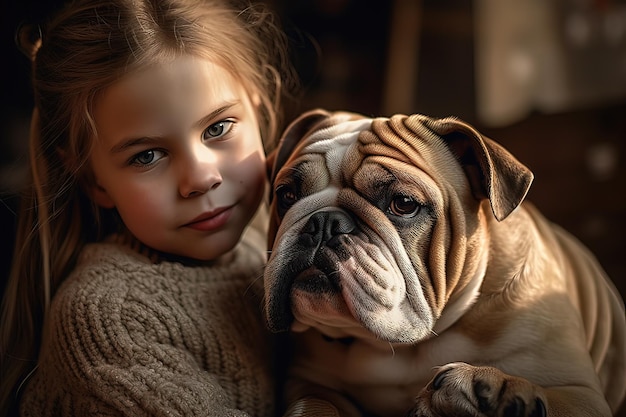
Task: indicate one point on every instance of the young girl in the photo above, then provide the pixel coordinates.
(142, 235)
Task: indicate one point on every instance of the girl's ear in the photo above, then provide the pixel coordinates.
(100, 196)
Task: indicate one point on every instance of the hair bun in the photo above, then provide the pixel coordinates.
(28, 37)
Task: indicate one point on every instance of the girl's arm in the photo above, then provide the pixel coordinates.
(158, 340)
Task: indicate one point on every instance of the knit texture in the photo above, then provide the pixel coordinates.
(311, 406)
(128, 337)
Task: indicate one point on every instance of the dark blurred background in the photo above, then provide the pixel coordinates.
(545, 79)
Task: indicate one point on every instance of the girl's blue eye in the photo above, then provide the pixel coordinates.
(217, 130)
(147, 157)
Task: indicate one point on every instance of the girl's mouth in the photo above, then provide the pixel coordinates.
(210, 220)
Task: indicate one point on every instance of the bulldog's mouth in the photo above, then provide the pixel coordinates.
(343, 281)
(316, 300)
(314, 280)
(313, 270)
(311, 293)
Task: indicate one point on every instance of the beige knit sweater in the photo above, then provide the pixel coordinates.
(126, 336)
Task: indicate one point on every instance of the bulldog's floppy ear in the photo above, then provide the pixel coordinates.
(493, 172)
(292, 135)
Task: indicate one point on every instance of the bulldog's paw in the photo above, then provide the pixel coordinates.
(460, 389)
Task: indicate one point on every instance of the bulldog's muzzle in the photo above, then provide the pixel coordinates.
(326, 229)
(318, 249)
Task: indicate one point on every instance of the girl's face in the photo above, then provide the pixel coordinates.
(179, 155)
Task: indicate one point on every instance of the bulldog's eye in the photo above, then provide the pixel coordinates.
(404, 206)
(285, 196)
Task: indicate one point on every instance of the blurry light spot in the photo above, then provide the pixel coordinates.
(577, 29)
(602, 160)
(521, 66)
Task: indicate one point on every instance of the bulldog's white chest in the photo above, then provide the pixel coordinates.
(385, 379)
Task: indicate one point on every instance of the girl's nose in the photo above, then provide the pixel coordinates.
(199, 172)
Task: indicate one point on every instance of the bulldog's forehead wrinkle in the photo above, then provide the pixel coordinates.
(340, 135)
(336, 130)
(334, 141)
(333, 161)
(333, 145)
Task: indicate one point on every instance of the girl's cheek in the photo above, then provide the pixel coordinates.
(255, 169)
(249, 168)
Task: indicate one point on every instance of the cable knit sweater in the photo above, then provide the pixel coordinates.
(127, 336)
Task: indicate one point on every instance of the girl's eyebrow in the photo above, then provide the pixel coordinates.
(209, 117)
(129, 143)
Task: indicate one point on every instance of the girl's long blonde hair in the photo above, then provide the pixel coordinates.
(82, 51)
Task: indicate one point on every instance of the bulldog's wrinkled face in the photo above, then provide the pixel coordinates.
(360, 231)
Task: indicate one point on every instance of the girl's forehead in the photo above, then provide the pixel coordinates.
(182, 72)
(179, 91)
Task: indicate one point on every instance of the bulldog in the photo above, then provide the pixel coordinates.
(413, 280)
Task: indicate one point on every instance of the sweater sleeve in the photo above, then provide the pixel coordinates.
(136, 345)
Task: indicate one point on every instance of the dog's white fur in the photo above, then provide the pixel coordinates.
(476, 304)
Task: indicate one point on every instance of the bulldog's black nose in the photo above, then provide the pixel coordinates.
(325, 228)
